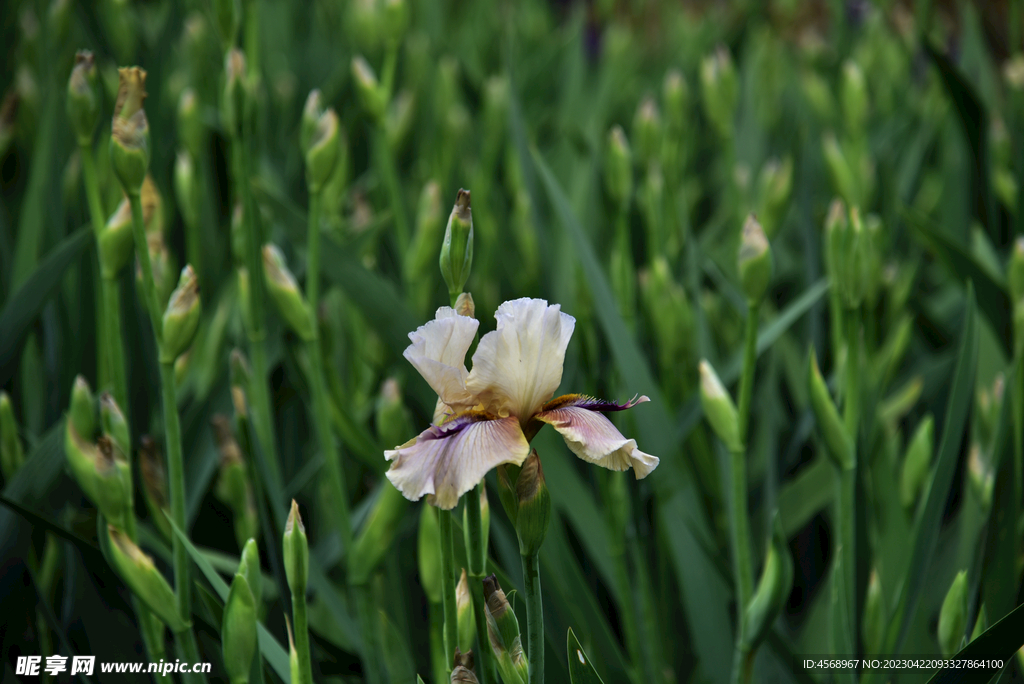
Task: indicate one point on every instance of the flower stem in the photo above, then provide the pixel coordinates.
(369, 626)
(301, 626)
(743, 568)
(451, 625)
(258, 388)
(476, 557)
(534, 617)
(148, 284)
(847, 493)
(176, 487)
(851, 406)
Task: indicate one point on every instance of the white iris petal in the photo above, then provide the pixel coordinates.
(438, 352)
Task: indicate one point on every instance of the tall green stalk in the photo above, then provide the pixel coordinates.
(476, 557)
(172, 428)
(847, 493)
(451, 624)
(301, 626)
(534, 617)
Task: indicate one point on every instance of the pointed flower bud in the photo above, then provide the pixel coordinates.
(191, 129)
(233, 486)
(428, 233)
(234, 98)
(312, 111)
(507, 476)
(129, 139)
(829, 421)
(953, 615)
(285, 290)
(186, 188)
(755, 260)
(917, 463)
(647, 131)
(238, 631)
(322, 151)
(839, 168)
(12, 454)
(500, 615)
(181, 317)
(371, 93)
(428, 543)
(296, 552)
(144, 580)
(464, 305)
(82, 413)
(719, 408)
(154, 484)
(394, 19)
(775, 184)
(534, 506)
(83, 97)
(249, 565)
(377, 535)
(116, 242)
(464, 613)
(720, 89)
(854, 95)
(457, 248)
(676, 95)
(462, 672)
(772, 589)
(618, 168)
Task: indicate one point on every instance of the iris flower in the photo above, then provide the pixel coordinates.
(488, 415)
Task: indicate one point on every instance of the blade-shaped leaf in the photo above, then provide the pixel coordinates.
(581, 670)
(1001, 642)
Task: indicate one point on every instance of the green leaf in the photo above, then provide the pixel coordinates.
(993, 299)
(275, 655)
(32, 482)
(1001, 641)
(581, 670)
(926, 529)
(803, 496)
(25, 305)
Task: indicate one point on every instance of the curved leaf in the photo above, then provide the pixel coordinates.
(581, 670)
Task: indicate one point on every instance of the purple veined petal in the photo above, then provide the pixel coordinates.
(448, 460)
(592, 403)
(590, 435)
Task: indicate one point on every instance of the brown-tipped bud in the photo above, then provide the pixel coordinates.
(371, 92)
(291, 303)
(233, 486)
(464, 305)
(755, 260)
(462, 668)
(154, 484)
(142, 577)
(181, 317)
(234, 98)
(129, 139)
(501, 617)
(83, 97)
(114, 424)
(296, 552)
(534, 506)
(457, 249)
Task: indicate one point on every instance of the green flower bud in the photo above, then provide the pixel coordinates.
(82, 413)
(533, 504)
(290, 301)
(676, 96)
(236, 91)
(775, 185)
(181, 317)
(953, 616)
(116, 242)
(457, 248)
(83, 97)
(191, 130)
(394, 19)
(428, 233)
(154, 484)
(296, 552)
(874, 623)
(647, 131)
(228, 14)
(462, 671)
(144, 580)
(12, 454)
(372, 94)
(502, 624)
(720, 90)
(854, 95)
(755, 261)
(496, 103)
(980, 476)
(238, 631)
(233, 485)
(249, 565)
(1015, 271)
(507, 476)
(841, 172)
(829, 421)
(377, 535)
(485, 523)
(112, 479)
(312, 112)
(719, 408)
(129, 139)
(772, 589)
(464, 613)
(186, 188)
(322, 151)
(917, 463)
(428, 543)
(618, 168)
